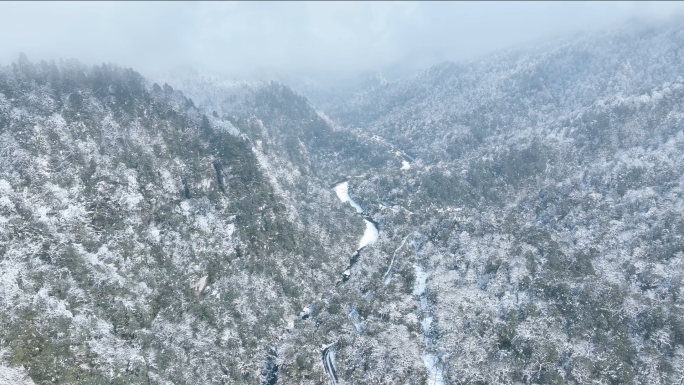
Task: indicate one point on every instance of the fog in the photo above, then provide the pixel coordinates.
(325, 38)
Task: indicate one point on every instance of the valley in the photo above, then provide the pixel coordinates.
(516, 219)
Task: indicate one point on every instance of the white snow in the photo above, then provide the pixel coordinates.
(388, 275)
(329, 363)
(168, 183)
(405, 165)
(53, 307)
(425, 323)
(354, 315)
(5, 187)
(153, 234)
(14, 375)
(74, 213)
(370, 235)
(435, 374)
(421, 281)
(201, 285)
(6, 203)
(229, 334)
(342, 191)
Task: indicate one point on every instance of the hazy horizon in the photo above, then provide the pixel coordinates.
(331, 38)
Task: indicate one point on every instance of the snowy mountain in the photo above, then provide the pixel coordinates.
(141, 240)
(516, 219)
(550, 188)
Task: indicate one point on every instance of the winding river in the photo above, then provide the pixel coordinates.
(370, 235)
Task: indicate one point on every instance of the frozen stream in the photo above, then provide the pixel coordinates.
(431, 361)
(370, 235)
(342, 191)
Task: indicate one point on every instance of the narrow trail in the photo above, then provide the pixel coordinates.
(430, 360)
(388, 275)
(329, 363)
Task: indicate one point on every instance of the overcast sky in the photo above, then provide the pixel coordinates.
(339, 37)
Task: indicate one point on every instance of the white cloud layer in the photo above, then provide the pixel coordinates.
(335, 37)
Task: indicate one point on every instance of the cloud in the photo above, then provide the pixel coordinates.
(335, 37)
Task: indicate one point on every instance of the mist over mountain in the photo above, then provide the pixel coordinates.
(511, 218)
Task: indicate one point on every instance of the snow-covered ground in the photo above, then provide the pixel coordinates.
(421, 281)
(434, 371)
(15, 375)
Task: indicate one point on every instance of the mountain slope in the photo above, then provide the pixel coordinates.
(532, 236)
(119, 198)
(528, 208)
(547, 189)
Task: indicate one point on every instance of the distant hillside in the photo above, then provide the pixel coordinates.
(513, 220)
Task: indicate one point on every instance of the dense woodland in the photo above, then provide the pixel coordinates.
(529, 204)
